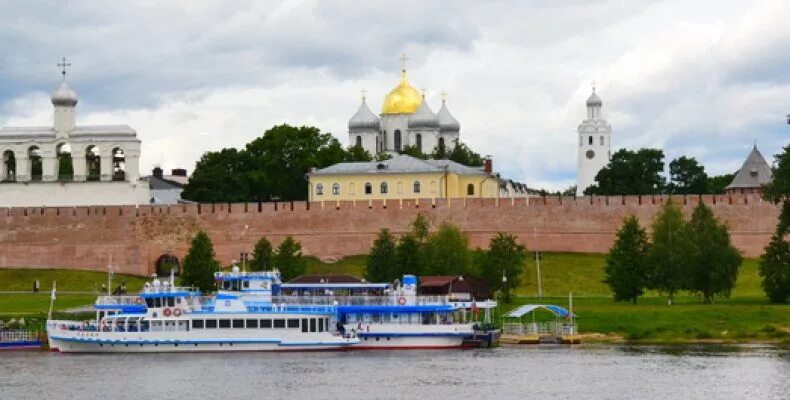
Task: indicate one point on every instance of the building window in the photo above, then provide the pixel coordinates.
(590, 141)
(118, 164)
(441, 146)
(383, 188)
(368, 188)
(36, 168)
(397, 140)
(416, 186)
(359, 141)
(336, 189)
(319, 189)
(418, 139)
(601, 140)
(9, 162)
(352, 189)
(470, 190)
(400, 187)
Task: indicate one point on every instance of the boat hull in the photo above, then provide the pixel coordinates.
(94, 345)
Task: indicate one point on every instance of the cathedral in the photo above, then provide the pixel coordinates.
(406, 119)
(595, 144)
(66, 164)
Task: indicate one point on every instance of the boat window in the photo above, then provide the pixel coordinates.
(312, 325)
(158, 302)
(279, 323)
(226, 285)
(171, 301)
(293, 323)
(178, 300)
(238, 323)
(149, 302)
(211, 323)
(320, 325)
(246, 284)
(252, 323)
(197, 324)
(375, 317)
(266, 323)
(224, 323)
(304, 325)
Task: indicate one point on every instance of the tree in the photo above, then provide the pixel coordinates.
(408, 256)
(380, 266)
(440, 151)
(447, 252)
(414, 151)
(464, 155)
(714, 267)
(219, 176)
(717, 183)
(289, 260)
(358, 153)
(505, 257)
(671, 251)
(626, 271)
(200, 264)
(630, 172)
(687, 176)
(775, 262)
(420, 228)
(261, 255)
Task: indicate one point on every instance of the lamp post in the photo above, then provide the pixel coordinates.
(244, 257)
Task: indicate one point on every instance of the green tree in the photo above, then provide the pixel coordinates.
(219, 176)
(447, 252)
(775, 262)
(631, 172)
(671, 252)
(380, 265)
(289, 260)
(626, 270)
(261, 255)
(414, 151)
(717, 183)
(505, 257)
(358, 153)
(408, 256)
(714, 267)
(687, 176)
(462, 154)
(420, 228)
(200, 264)
(440, 151)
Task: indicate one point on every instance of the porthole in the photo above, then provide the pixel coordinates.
(590, 154)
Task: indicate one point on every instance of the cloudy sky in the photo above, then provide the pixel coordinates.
(700, 78)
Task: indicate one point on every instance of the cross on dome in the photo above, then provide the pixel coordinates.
(63, 64)
(403, 60)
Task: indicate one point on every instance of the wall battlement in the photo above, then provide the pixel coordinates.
(136, 236)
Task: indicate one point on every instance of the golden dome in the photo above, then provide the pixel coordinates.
(404, 99)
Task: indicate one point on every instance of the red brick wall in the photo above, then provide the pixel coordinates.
(85, 237)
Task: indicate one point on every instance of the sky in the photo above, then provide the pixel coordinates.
(705, 79)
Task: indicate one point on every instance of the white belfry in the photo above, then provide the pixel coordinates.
(595, 144)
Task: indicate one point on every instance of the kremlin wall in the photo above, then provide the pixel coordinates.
(136, 237)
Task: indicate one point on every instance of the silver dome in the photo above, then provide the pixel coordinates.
(446, 120)
(364, 119)
(594, 100)
(423, 117)
(64, 95)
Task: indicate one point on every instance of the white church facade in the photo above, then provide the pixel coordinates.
(595, 144)
(406, 119)
(68, 164)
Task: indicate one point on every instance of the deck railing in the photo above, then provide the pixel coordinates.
(118, 301)
(357, 300)
(540, 329)
(18, 335)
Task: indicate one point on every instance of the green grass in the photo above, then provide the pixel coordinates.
(67, 280)
(353, 265)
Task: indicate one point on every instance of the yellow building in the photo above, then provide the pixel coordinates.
(401, 177)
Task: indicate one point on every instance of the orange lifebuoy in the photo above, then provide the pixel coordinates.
(402, 300)
(177, 312)
(166, 312)
(138, 300)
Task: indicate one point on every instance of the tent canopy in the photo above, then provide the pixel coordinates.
(528, 308)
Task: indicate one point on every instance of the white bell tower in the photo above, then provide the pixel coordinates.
(595, 144)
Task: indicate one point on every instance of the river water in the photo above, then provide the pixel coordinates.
(581, 372)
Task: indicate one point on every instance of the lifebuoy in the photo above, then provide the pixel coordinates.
(177, 312)
(138, 300)
(402, 300)
(166, 312)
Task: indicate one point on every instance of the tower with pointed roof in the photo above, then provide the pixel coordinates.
(406, 119)
(753, 174)
(595, 144)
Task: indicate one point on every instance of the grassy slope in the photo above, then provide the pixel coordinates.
(746, 315)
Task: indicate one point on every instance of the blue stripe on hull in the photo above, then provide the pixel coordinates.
(206, 341)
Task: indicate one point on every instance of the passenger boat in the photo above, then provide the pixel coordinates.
(166, 318)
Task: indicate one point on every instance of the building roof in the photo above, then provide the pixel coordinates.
(163, 183)
(92, 132)
(754, 172)
(325, 279)
(399, 164)
(423, 117)
(594, 100)
(64, 95)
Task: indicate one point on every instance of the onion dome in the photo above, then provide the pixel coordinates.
(364, 119)
(446, 120)
(404, 99)
(423, 117)
(64, 96)
(594, 100)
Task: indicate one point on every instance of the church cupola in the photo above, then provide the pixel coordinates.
(423, 117)
(594, 105)
(64, 98)
(364, 119)
(447, 122)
